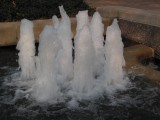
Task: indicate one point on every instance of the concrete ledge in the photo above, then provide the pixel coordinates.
(139, 25)
(133, 55)
(141, 33)
(9, 31)
(149, 17)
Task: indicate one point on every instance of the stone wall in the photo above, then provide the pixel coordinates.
(9, 31)
(139, 25)
(141, 33)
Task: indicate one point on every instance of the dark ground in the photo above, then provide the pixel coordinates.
(14, 10)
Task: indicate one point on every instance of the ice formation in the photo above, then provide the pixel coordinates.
(26, 46)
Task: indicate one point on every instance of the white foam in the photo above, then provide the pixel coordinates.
(114, 74)
(97, 29)
(83, 64)
(56, 77)
(26, 46)
(46, 88)
(82, 20)
(55, 22)
(65, 35)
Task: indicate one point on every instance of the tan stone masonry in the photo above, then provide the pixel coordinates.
(9, 31)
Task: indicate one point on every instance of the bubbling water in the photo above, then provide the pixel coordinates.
(82, 20)
(46, 88)
(83, 64)
(65, 35)
(95, 70)
(27, 50)
(97, 29)
(114, 73)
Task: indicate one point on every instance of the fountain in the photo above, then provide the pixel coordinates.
(95, 69)
(114, 57)
(97, 29)
(65, 35)
(27, 50)
(92, 84)
(83, 20)
(46, 87)
(84, 62)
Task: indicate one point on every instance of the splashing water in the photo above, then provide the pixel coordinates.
(65, 57)
(46, 88)
(55, 22)
(98, 97)
(83, 64)
(96, 69)
(114, 74)
(27, 50)
(82, 20)
(97, 29)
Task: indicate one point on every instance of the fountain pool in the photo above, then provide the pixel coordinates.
(139, 99)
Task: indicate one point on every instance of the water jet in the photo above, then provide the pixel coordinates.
(50, 102)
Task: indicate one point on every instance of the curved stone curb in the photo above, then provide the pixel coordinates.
(133, 55)
(9, 31)
(149, 17)
(139, 25)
